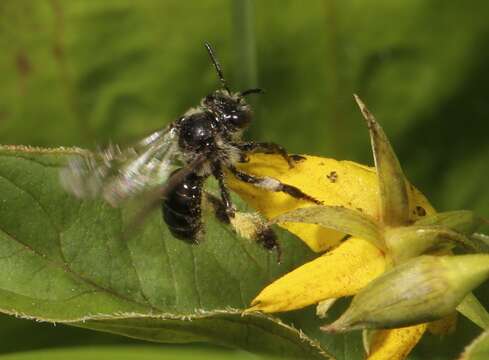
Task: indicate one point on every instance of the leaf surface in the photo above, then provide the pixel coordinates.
(133, 353)
(64, 260)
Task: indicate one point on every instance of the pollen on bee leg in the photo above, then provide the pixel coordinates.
(247, 225)
(251, 226)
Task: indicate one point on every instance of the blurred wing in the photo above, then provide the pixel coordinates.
(116, 175)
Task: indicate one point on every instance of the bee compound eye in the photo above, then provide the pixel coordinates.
(240, 118)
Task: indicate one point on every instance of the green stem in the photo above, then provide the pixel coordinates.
(244, 44)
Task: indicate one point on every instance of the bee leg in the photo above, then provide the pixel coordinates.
(225, 196)
(248, 225)
(268, 239)
(218, 207)
(272, 184)
(267, 148)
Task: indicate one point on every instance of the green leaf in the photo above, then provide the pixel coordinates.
(25, 335)
(478, 350)
(65, 261)
(133, 353)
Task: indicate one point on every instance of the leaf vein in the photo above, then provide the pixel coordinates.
(133, 265)
(79, 277)
(43, 209)
(172, 271)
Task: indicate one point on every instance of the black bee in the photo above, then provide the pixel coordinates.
(178, 159)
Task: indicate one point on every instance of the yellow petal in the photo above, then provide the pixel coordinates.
(395, 344)
(335, 183)
(341, 272)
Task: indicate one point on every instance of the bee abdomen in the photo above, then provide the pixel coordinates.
(182, 209)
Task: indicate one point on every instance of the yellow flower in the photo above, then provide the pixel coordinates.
(349, 266)
(387, 219)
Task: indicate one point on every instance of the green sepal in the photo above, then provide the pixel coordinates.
(423, 289)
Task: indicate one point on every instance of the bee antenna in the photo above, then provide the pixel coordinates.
(217, 66)
(252, 91)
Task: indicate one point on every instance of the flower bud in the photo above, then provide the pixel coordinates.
(423, 289)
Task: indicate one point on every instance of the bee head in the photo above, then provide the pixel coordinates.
(232, 109)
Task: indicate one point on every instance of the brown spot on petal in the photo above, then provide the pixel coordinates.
(332, 176)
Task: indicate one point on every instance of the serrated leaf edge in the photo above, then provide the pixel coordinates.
(199, 314)
(43, 150)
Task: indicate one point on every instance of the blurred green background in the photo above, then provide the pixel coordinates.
(83, 72)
